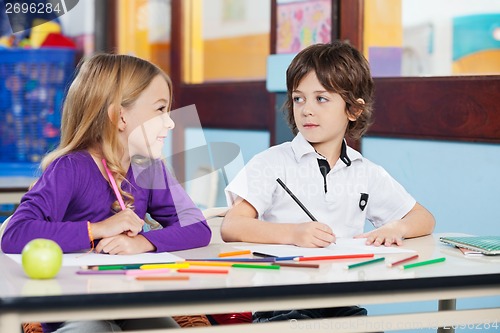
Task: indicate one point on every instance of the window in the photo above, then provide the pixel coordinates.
(225, 40)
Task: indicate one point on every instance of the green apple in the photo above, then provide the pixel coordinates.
(41, 258)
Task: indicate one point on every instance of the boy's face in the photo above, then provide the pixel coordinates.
(320, 115)
(148, 120)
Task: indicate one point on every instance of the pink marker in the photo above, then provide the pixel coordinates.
(113, 184)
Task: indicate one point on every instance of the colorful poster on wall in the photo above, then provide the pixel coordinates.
(302, 23)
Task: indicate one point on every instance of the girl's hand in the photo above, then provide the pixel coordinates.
(123, 244)
(312, 234)
(125, 221)
(386, 235)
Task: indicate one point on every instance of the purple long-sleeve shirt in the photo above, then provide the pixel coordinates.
(72, 191)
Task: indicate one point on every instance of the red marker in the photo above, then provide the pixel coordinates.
(392, 264)
(334, 257)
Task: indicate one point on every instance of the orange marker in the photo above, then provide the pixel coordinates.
(163, 278)
(234, 253)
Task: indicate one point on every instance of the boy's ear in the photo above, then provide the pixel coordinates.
(353, 113)
(112, 116)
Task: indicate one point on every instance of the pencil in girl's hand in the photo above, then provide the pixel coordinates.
(399, 262)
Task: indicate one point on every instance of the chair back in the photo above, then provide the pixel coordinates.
(2, 228)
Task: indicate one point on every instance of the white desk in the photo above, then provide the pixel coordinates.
(71, 297)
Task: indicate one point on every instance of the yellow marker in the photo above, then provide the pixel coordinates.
(210, 263)
(172, 266)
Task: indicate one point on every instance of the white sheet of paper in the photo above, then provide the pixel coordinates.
(343, 246)
(88, 259)
(358, 244)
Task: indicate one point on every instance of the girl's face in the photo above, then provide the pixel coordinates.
(148, 121)
(320, 115)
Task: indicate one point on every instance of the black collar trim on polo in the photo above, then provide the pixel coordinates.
(324, 168)
(343, 154)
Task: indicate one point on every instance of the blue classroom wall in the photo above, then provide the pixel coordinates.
(277, 65)
(458, 182)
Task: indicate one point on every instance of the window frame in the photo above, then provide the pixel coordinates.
(457, 108)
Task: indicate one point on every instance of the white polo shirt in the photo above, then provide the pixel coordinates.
(356, 189)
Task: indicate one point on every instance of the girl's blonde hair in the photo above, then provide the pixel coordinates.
(103, 80)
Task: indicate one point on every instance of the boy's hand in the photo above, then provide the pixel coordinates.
(386, 235)
(312, 234)
(125, 221)
(123, 244)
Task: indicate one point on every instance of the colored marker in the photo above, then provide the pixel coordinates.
(363, 263)
(113, 184)
(203, 271)
(210, 263)
(142, 272)
(234, 260)
(256, 266)
(399, 262)
(173, 266)
(334, 257)
(298, 265)
(113, 267)
(423, 263)
(234, 253)
(286, 258)
(263, 255)
(163, 278)
(94, 272)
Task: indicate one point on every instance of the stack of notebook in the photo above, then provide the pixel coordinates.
(489, 245)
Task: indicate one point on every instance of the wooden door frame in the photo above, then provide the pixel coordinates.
(230, 105)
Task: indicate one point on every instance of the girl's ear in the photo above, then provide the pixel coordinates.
(121, 124)
(353, 113)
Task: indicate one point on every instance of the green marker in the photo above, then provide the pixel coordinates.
(256, 266)
(423, 263)
(365, 263)
(112, 267)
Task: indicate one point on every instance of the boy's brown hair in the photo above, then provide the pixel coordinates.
(341, 69)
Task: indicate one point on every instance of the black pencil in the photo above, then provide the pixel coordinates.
(311, 216)
(296, 200)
